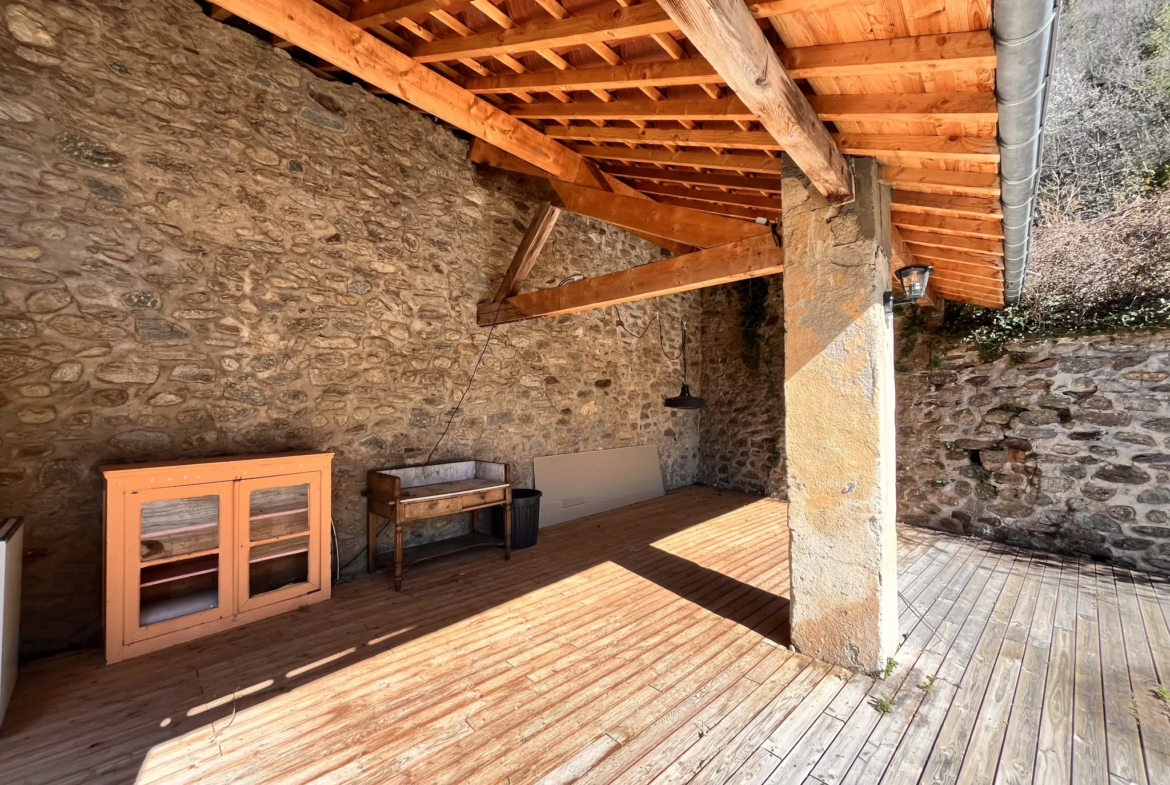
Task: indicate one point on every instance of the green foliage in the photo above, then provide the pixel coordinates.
(882, 705)
(990, 331)
(1162, 694)
(928, 685)
(891, 665)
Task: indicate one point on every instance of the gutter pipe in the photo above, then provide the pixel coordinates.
(1024, 32)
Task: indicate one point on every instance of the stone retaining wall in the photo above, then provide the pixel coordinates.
(206, 250)
(1061, 444)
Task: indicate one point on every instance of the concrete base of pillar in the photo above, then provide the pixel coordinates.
(839, 430)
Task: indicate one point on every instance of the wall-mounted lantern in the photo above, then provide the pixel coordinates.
(914, 279)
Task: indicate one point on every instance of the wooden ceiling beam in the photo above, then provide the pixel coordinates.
(952, 256)
(963, 227)
(982, 149)
(970, 298)
(952, 148)
(940, 181)
(945, 204)
(727, 263)
(932, 239)
(730, 109)
(923, 54)
(769, 184)
(901, 107)
(607, 27)
(991, 291)
(589, 176)
(672, 73)
(971, 51)
(728, 36)
(683, 224)
(326, 35)
(726, 210)
(760, 164)
(379, 12)
(685, 137)
(907, 107)
(537, 234)
(766, 204)
(993, 278)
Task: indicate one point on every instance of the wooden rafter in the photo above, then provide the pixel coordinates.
(963, 227)
(606, 27)
(736, 261)
(918, 236)
(959, 148)
(330, 37)
(948, 205)
(725, 33)
(716, 208)
(742, 182)
(924, 54)
(952, 148)
(733, 162)
(904, 107)
(677, 223)
(921, 101)
(539, 230)
(940, 181)
(960, 258)
(768, 205)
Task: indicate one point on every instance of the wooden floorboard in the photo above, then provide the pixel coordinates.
(643, 645)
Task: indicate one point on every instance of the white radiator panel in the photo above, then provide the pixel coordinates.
(586, 483)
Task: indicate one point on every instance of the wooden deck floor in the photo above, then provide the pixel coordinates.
(638, 646)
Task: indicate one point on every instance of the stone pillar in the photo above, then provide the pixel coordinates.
(839, 421)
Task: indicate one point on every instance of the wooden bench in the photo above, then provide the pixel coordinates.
(411, 493)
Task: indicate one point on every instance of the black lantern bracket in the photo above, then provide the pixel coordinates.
(914, 279)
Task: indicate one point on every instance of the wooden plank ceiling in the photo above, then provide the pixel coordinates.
(909, 82)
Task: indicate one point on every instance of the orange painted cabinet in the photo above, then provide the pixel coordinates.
(196, 547)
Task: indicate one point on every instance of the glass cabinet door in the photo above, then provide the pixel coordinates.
(278, 534)
(178, 558)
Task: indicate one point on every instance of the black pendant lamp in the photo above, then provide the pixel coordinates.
(684, 400)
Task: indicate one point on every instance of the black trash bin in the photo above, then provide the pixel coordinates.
(525, 518)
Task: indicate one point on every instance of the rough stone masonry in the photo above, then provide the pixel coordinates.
(207, 250)
(1060, 444)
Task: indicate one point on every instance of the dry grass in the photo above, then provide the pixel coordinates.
(1082, 265)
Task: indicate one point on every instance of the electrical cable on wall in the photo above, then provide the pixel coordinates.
(479, 360)
(451, 419)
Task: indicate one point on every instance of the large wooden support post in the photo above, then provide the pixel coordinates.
(839, 422)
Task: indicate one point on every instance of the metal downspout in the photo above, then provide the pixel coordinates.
(1024, 32)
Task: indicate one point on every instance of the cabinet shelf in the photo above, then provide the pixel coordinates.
(279, 513)
(280, 555)
(179, 557)
(183, 529)
(154, 575)
(198, 547)
(174, 607)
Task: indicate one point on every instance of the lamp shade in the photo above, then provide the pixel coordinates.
(914, 279)
(684, 400)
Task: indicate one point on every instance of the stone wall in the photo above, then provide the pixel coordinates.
(206, 250)
(1060, 444)
(741, 440)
